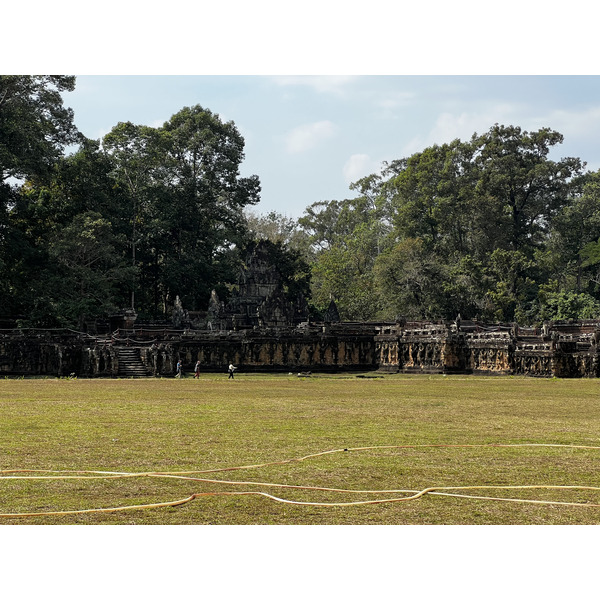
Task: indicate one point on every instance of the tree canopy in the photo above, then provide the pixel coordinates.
(137, 218)
(35, 126)
(489, 228)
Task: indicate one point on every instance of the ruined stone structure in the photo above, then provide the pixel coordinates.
(261, 329)
(32, 352)
(259, 301)
(556, 350)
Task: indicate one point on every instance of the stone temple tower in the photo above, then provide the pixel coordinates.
(261, 301)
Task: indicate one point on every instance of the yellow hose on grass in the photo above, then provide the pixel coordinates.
(414, 494)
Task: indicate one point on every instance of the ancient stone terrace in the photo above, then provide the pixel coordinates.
(556, 350)
(260, 328)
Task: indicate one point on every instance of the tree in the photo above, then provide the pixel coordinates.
(515, 291)
(482, 204)
(277, 228)
(172, 196)
(34, 125)
(77, 184)
(570, 255)
(344, 273)
(410, 280)
(558, 305)
(186, 200)
(346, 237)
(206, 196)
(530, 189)
(335, 277)
(89, 270)
(433, 198)
(135, 153)
(329, 222)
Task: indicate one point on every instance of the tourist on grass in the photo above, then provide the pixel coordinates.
(231, 370)
(197, 370)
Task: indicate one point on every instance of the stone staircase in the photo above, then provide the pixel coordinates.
(130, 363)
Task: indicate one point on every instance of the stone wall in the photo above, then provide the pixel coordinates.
(312, 349)
(40, 353)
(99, 360)
(558, 349)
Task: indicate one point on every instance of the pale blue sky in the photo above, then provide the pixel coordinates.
(309, 137)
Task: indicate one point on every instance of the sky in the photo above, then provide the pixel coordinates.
(309, 137)
(324, 93)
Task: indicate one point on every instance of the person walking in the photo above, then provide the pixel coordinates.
(179, 369)
(231, 370)
(197, 370)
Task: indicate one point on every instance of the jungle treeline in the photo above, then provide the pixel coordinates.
(488, 228)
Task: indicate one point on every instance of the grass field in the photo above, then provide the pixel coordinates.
(168, 425)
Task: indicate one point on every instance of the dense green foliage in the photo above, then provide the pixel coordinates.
(136, 219)
(491, 228)
(488, 228)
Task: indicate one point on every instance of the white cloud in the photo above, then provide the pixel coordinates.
(306, 137)
(577, 126)
(394, 100)
(571, 123)
(449, 126)
(359, 165)
(335, 84)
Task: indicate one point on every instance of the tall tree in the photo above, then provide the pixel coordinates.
(277, 228)
(411, 281)
(434, 198)
(206, 198)
(528, 187)
(45, 217)
(346, 237)
(461, 227)
(186, 199)
(135, 153)
(35, 127)
(344, 273)
(89, 269)
(574, 233)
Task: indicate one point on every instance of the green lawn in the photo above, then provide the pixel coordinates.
(168, 425)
